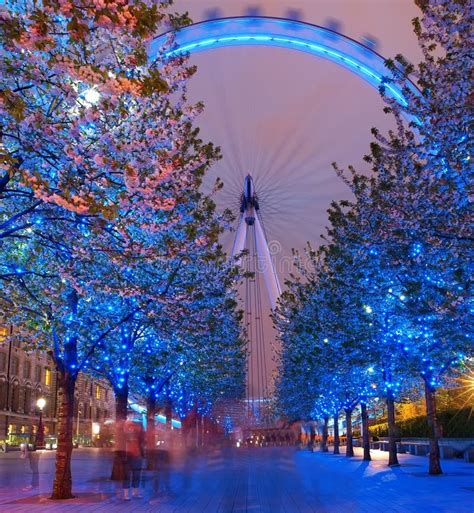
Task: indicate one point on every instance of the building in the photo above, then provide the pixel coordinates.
(26, 376)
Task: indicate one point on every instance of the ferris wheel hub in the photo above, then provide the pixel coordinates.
(249, 201)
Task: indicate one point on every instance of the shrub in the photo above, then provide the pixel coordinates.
(455, 424)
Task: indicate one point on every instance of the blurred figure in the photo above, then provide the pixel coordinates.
(164, 463)
(162, 476)
(134, 454)
(31, 457)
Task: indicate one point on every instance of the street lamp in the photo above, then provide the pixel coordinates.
(91, 96)
(41, 403)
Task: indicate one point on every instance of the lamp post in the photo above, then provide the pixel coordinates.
(41, 402)
(95, 433)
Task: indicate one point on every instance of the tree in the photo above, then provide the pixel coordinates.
(347, 338)
(393, 280)
(214, 359)
(416, 202)
(433, 220)
(99, 146)
(113, 359)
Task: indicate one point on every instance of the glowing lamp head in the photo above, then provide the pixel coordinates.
(91, 96)
(41, 403)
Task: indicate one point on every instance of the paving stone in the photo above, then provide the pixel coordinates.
(262, 480)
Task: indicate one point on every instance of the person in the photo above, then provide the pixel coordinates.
(162, 482)
(32, 457)
(134, 454)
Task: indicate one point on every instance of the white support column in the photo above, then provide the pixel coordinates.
(240, 238)
(250, 219)
(265, 265)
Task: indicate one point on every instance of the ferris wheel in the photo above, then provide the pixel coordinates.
(300, 36)
(262, 288)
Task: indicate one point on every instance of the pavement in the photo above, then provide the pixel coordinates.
(257, 480)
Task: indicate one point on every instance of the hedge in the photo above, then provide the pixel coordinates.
(455, 424)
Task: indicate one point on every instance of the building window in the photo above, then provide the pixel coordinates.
(27, 401)
(14, 367)
(3, 395)
(97, 392)
(16, 397)
(47, 377)
(3, 333)
(3, 361)
(27, 369)
(38, 374)
(106, 394)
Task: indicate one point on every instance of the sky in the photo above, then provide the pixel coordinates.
(285, 117)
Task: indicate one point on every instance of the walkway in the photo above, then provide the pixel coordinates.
(267, 480)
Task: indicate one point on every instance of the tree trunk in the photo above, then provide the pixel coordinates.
(62, 486)
(349, 446)
(336, 434)
(197, 431)
(324, 440)
(151, 454)
(392, 443)
(121, 403)
(168, 412)
(365, 431)
(435, 431)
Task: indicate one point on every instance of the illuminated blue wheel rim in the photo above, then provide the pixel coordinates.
(284, 33)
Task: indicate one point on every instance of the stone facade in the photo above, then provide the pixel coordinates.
(25, 376)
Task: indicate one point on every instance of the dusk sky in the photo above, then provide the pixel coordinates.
(284, 116)
(136, 374)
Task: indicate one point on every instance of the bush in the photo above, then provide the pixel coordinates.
(455, 424)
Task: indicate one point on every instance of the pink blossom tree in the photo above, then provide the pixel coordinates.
(100, 169)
